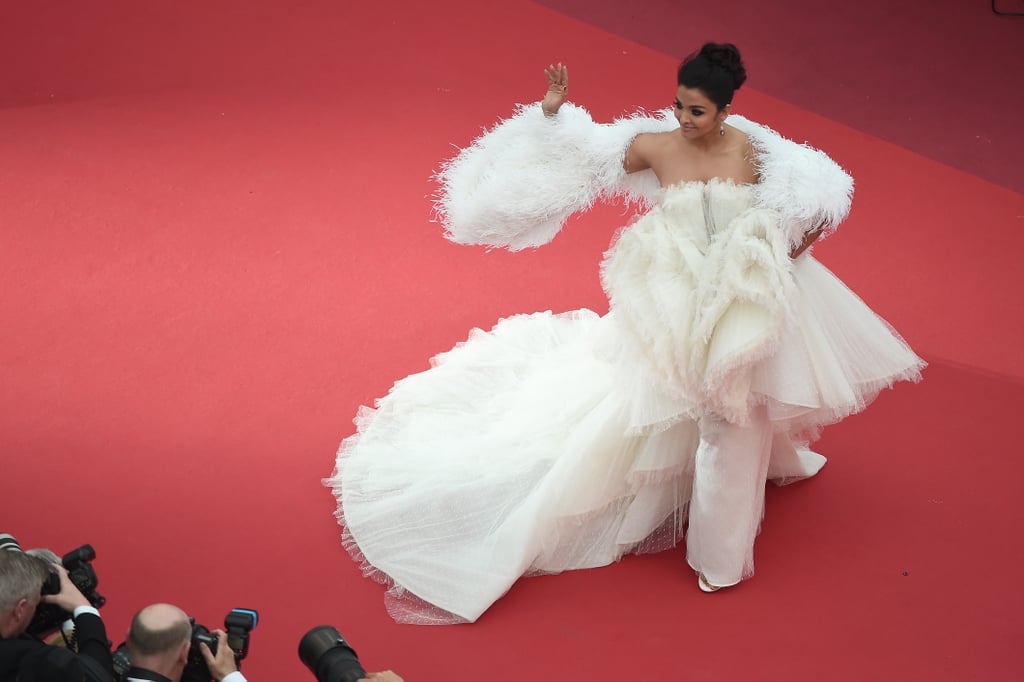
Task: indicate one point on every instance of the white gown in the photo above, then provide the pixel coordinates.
(564, 441)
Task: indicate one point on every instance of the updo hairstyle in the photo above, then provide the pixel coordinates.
(716, 70)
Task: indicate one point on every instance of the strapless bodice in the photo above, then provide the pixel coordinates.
(711, 205)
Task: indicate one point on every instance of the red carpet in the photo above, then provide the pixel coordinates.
(216, 245)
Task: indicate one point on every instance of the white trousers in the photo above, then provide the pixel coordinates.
(727, 504)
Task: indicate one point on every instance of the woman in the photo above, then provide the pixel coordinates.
(556, 442)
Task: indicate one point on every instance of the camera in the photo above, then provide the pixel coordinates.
(81, 573)
(328, 656)
(238, 624)
(48, 617)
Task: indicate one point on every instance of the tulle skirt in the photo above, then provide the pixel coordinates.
(545, 444)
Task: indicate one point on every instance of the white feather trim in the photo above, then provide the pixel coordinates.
(516, 184)
(803, 184)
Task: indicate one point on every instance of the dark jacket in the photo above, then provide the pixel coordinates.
(28, 659)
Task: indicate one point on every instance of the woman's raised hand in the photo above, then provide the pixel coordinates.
(558, 88)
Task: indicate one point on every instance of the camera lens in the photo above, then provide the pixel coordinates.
(76, 557)
(329, 656)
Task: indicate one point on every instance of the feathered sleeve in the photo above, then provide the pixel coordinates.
(516, 184)
(803, 184)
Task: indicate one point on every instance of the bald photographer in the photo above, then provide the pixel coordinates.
(160, 647)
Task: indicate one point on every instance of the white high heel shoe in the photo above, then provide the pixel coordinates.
(704, 585)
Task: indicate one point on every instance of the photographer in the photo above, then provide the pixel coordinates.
(331, 659)
(159, 640)
(23, 656)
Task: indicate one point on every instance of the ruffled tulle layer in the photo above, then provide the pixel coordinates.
(507, 457)
(833, 357)
(543, 445)
(719, 320)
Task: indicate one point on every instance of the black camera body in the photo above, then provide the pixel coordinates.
(238, 624)
(48, 617)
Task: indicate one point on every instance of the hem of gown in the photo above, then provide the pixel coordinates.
(803, 422)
(406, 607)
(403, 605)
(807, 427)
(714, 584)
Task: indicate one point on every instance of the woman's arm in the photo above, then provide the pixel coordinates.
(809, 190)
(638, 154)
(809, 239)
(636, 158)
(515, 185)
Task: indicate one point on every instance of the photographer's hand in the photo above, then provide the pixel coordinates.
(384, 676)
(69, 598)
(223, 664)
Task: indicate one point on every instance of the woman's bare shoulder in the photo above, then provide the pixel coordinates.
(655, 140)
(653, 146)
(646, 151)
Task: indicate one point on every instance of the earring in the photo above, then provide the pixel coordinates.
(721, 129)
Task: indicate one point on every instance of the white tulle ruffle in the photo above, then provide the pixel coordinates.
(507, 457)
(555, 442)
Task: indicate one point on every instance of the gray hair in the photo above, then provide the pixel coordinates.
(21, 577)
(45, 554)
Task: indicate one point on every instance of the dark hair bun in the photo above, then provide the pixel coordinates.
(725, 56)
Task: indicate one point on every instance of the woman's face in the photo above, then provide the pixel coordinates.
(697, 115)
